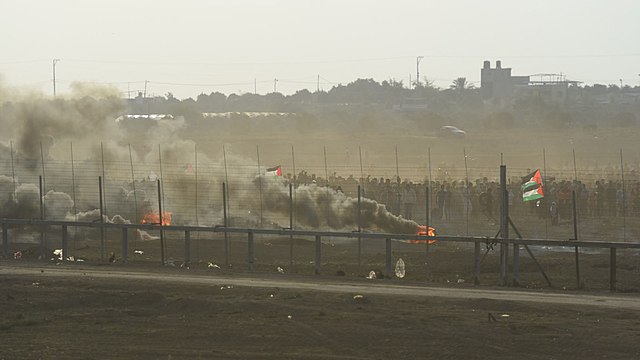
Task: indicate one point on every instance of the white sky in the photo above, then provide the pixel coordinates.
(177, 45)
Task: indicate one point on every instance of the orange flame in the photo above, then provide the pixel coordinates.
(154, 218)
(422, 231)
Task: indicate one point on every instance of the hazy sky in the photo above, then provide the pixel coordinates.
(188, 47)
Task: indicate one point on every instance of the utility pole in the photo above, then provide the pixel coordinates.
(255, 86)
(145, 88)
(55, 61)
(275, 85)
(418, 70)
(318, 84)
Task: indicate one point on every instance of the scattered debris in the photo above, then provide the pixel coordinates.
(280, 270)
(17, 255)
(505, 315)
(289, 316)
(112, 257)
(58, 253)
(461, 281)
(226, 287)
(400, 268)
(212, 265)
(138, 252)
(271, 296)
(360, 299)
(372, 275)
(35, 283)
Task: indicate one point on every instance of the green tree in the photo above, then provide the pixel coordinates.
(461, 84)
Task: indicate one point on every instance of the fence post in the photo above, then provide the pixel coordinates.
(516, 264)
(426, 224)
(102, 240)
(612, 270)
(388, 257)
(226, 224)
(43, 239)
(291, 224)
(162, 244)
(187, 247)
(65, 237)
(476, 262)
(318, 254)
(125, 245)
(504, 225)
(575, 237)
(5, 241)
(359, 228)
(250, 251)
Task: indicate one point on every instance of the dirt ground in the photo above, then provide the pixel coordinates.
(93, 317)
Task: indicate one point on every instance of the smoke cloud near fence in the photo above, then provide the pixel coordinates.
(323, 207)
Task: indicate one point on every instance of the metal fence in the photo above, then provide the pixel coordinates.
(598, 207)
(436, 189)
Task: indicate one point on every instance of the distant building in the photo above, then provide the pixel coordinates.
(497, 85)
(550, 87)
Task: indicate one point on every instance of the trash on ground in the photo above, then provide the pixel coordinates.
(138, 252)
(280, 270)
(372, 275)
(17, 255)
(212, 265)
(400, 268)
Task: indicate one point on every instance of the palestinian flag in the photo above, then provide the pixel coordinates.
(274, 171)
(532, 186)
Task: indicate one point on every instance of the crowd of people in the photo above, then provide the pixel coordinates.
(452, 200)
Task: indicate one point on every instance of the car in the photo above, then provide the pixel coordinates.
(449, 130)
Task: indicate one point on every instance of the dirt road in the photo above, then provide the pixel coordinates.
(106, 312)
(380, 287)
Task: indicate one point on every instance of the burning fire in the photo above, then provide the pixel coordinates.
(154, 218)
(422, 231)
